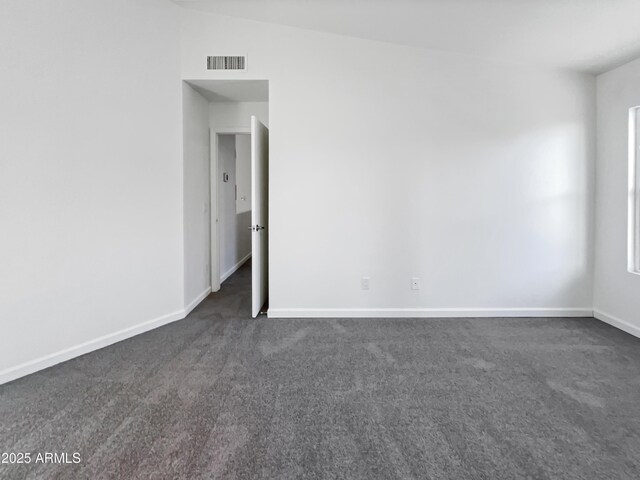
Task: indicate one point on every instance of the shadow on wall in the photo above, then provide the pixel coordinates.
(243, 222)
(238, 246)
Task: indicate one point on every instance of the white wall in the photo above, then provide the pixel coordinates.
(90, 176)
(616, 291)
(196, 148)
(243, 173)
(473, 175)
(237, 114)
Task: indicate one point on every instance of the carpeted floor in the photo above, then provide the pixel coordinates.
(219, 395)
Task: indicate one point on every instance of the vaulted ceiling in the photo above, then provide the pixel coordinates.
(585, 35)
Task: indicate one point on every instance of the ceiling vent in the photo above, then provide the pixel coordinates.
(227, 62)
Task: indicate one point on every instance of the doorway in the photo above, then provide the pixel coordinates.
(239, 207)
(222, 213)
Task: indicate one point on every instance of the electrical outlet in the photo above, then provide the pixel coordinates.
(415, 283)
(365, 283)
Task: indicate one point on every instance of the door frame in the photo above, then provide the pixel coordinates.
(214, 198)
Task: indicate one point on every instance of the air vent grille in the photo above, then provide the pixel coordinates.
(226, 62)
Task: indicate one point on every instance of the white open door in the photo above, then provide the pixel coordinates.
(259, 215)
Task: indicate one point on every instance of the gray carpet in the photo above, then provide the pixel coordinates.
(219, 395)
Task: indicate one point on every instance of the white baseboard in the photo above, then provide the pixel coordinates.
(426, 312)
(46, 361)
(32, 366)
(233, 269)
(196, 301)
(617, 322)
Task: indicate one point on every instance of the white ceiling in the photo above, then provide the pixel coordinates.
(585, 35)
(232, 90)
